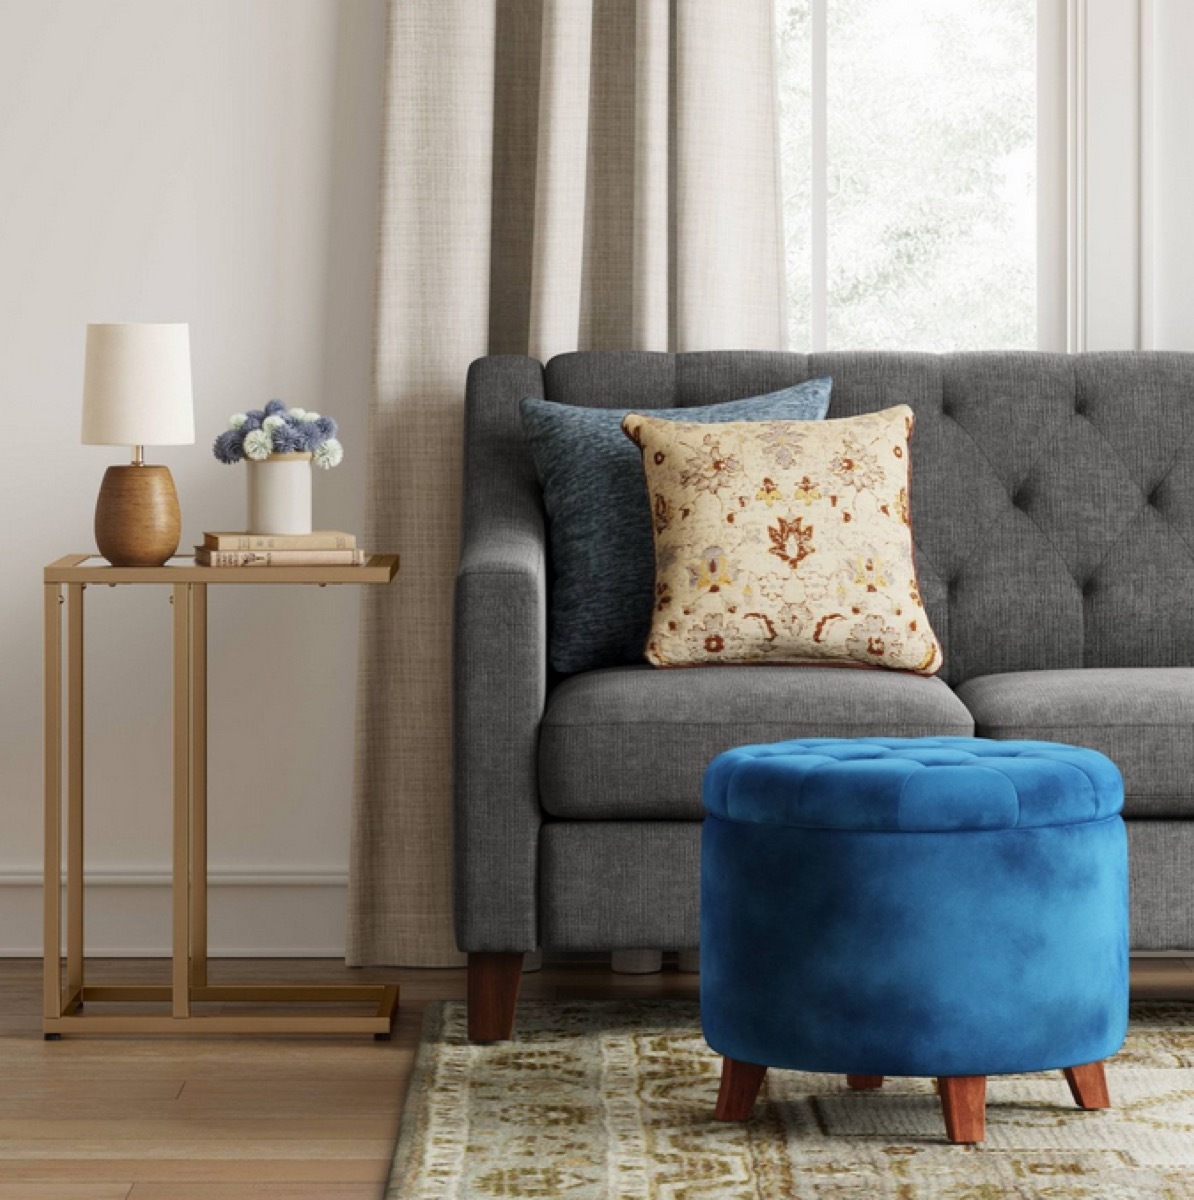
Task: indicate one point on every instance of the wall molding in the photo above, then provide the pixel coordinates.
(258, 877)
(259, 912)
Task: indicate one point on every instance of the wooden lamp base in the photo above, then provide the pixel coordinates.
(137, 522)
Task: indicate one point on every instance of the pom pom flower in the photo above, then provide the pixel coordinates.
(275, 429)
(259, 445)
(329, 454)
(287, 439)
(229, 446)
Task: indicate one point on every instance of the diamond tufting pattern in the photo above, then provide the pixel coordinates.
(1052, 497)
(912, 784)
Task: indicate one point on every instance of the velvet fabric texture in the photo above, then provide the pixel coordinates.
(890, 910)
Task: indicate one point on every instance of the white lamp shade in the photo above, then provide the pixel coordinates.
(137, 386)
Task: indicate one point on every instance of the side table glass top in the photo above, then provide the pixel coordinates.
(90, 568)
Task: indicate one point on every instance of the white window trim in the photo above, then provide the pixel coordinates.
(1059, 280)
(1060, 177)
(819, 198)
(1096, 115)
(1095, 174)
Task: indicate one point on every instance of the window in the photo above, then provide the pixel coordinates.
(908, 134)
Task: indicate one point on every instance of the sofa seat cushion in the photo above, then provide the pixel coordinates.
(1141, 718)
(632, 743)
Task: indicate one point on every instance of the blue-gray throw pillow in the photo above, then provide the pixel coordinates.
(602, 548)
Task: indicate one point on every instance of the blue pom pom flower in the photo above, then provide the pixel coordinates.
(288, 440)
(229, 446)
(275, 429)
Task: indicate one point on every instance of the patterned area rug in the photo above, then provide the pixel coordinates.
(612, 1100)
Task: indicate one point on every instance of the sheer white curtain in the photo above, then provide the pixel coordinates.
(557, 175)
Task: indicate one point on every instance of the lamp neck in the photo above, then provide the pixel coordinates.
(138, 456)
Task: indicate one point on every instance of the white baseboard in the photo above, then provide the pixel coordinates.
(252, 914)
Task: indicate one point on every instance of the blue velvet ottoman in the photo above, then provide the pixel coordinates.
(949, 907)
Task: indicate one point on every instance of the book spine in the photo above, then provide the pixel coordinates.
(279, 558)
(264, 541)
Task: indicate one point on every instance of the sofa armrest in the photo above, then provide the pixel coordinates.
(499, 667)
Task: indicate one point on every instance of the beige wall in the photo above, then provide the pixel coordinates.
(210, 161)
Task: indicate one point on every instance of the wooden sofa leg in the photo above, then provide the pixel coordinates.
(864, 1083)
(1088, 1085)
(964, 1103)
(493, 981)
(740, 1083)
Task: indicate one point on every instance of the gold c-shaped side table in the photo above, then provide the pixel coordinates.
(63, 1004)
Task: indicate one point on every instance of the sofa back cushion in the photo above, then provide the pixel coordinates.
(1052, 494)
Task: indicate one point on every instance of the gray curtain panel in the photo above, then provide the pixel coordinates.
(557, 175)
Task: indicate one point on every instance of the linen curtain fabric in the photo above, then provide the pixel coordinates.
(557, 175)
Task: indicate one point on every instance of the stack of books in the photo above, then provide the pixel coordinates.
(322, 548)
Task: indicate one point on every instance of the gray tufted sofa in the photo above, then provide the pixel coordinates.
(1053, 508)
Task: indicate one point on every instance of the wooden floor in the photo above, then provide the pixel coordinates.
(241, 1118)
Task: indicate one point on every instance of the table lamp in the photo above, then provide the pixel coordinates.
(137, 392)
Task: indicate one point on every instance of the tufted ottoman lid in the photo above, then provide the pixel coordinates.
(912, 784)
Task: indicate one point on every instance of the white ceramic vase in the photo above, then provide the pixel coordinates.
(280, 494)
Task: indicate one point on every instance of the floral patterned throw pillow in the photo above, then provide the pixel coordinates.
(784, 542)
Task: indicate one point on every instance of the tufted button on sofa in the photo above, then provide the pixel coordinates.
(1053, 510)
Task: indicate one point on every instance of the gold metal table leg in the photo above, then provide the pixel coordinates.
(199, 785)
(74, 788)
(181, 973)
(52, 989)
(62, 1011)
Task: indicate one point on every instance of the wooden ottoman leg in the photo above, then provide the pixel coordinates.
(493, 981)
(1088, 1085)
(864, 1083)
(964, 1103)
(740, 1083)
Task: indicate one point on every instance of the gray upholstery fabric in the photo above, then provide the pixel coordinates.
(1053, 507)
(633, 742)
(1160, 870)
(620, 884)
(1052, 494)
(599, 519)
(499, 668)
(611, 884)
(1141, 718)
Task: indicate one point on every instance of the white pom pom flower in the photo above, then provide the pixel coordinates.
(272, 422)
(330, 454)
(258, 444)
(236, 420)
(297, 414)
(309, 416)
